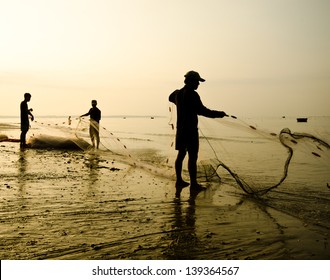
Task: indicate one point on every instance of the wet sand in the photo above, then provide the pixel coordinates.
(58, 204)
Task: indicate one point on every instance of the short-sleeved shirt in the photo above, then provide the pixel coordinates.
(189, 106)
(95, 114)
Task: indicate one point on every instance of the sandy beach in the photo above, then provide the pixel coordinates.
(58, 204)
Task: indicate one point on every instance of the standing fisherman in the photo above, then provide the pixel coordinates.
(189, 106)
(25, 124)
(94, 129)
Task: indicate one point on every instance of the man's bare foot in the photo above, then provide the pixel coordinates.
(181, 184)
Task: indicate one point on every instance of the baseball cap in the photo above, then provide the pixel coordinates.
(194, 76)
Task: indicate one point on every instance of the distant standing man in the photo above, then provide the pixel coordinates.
(25, 124)
(189, 106)
(95, 117)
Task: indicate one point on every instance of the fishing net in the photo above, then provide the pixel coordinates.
(232, 150)
(77, 134)
(259, 160)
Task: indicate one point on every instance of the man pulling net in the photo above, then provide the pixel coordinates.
(189, 106)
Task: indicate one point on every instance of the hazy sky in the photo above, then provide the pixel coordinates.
(259, 57)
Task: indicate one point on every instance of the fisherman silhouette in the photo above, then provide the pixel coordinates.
(25, 123)
(95, 117)
(189, 106)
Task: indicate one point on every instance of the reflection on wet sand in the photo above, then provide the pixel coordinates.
(22, 166)
(92, 164)
(73, 205)
(184, 237)
(185, 243)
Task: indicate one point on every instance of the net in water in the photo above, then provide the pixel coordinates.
(257, 159)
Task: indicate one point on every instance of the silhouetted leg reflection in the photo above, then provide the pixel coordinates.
(22, 165)
(185, 243)
(93, 165)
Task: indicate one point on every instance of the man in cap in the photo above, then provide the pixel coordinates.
(25, 124)
(95, 117)
(189, 106)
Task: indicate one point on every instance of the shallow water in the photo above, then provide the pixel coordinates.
(58, 204)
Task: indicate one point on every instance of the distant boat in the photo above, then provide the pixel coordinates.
(302, 119)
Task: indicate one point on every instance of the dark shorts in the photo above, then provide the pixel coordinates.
(187, 141)
(25, 125)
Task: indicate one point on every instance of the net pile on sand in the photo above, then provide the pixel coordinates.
(76, 136)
